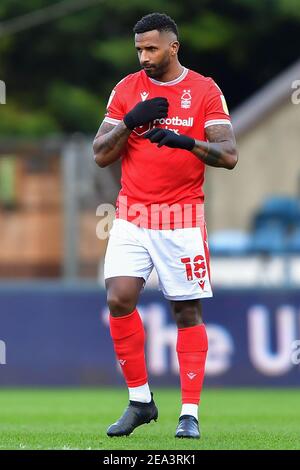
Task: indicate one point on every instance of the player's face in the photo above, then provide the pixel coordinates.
(155, 51)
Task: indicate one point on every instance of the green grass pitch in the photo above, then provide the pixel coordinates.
(78, 418)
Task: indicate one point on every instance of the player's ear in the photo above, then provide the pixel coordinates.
(174, 47)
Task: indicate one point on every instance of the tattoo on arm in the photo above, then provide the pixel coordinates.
(220, 148)
(109, 142)
(110, 136)
(104, 128)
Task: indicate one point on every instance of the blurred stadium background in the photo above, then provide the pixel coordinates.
(59, 62)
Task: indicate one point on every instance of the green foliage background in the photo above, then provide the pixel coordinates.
(59, 74)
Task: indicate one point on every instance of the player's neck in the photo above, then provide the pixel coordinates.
(172, 74)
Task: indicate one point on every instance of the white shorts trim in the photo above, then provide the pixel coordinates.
(179, 256)
(188, 297)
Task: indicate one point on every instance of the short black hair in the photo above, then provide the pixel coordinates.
(158, 21)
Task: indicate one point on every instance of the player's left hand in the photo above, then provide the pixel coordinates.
(170, 139)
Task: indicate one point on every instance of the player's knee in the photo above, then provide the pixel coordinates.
(188, 318)
(120, 305)
(187, 314)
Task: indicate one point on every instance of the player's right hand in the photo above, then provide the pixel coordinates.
(146, 111)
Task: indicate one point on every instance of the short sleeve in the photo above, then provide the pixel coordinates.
(216, 111)
(115, 109)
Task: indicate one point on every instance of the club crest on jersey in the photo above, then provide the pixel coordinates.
(186, 99)
(144, 95)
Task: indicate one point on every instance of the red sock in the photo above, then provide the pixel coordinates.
(129, 340)
(191, 351)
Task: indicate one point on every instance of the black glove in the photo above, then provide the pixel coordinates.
(146, 111)
(170, 139)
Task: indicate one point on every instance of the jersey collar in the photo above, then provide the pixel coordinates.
(172, 82)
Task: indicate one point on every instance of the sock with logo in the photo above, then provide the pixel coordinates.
(128, 336)
(191, 350)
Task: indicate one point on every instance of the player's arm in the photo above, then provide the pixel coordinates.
(110, 139)
(220, 149)
(109, 143)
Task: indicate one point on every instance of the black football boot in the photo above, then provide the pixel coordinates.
(135, 415)
(188, 427)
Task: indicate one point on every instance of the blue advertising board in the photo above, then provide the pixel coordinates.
(53, 335)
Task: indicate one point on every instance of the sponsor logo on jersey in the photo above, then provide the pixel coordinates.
(141, 130)
(176, 121)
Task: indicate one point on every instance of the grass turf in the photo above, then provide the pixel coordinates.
(78, 418)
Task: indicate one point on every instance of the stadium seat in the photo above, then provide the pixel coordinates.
(229, 243)
(269, 239)
(293, 244)
(283, 209)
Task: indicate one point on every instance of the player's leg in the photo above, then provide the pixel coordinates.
(128, 333)
(191, 351)
(127, 266)
(181, 259)
(128, 336)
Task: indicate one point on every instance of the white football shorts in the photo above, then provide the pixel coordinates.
(180, 257)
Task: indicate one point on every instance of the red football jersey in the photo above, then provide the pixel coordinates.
(162, 186)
